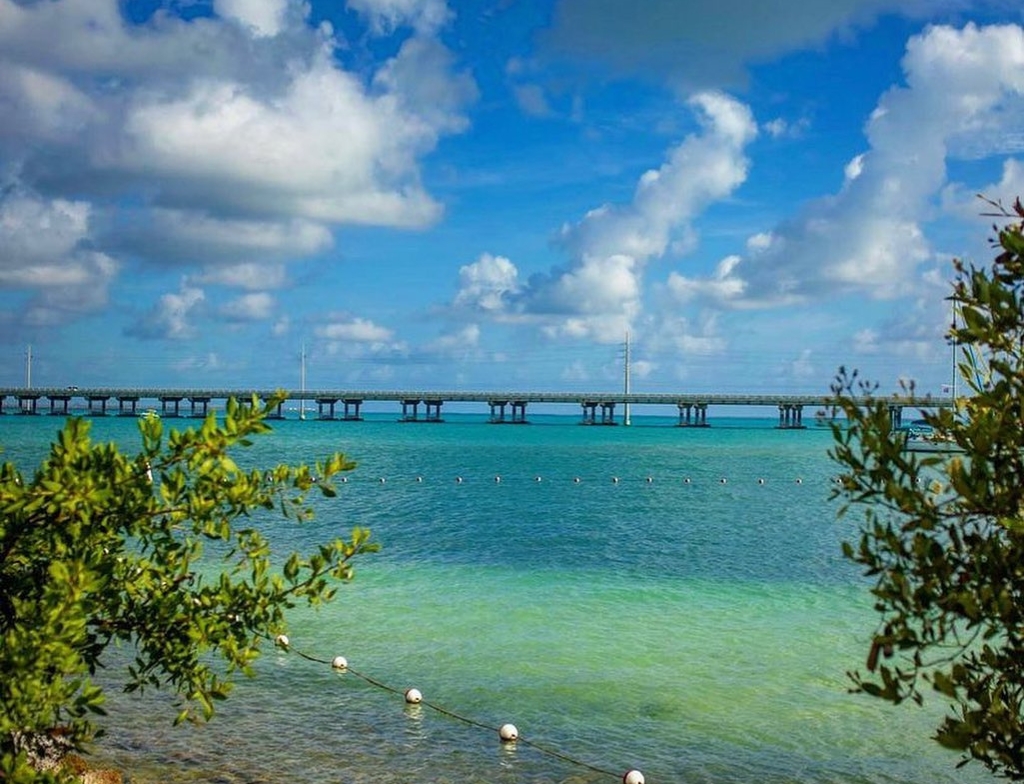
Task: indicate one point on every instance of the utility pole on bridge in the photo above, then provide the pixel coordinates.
(625, 409)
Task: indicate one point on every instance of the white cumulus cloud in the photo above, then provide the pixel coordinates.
(255, 306)
(172, 317)
(356, 330)
(232, 138)
(599, 293)
(262, 17)
(425, 16)
(487, 284)
(869, 237)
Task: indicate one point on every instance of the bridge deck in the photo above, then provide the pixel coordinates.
(520, 396)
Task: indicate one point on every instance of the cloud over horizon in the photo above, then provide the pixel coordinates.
(598, 293)
(254, 155)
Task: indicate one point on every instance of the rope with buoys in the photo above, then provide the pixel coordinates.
(508, 733)
(648, 479)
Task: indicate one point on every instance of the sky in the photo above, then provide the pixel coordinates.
(498, 194)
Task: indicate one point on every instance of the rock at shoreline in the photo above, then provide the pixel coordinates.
(88, 775)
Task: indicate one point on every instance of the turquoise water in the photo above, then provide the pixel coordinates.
(693, 619)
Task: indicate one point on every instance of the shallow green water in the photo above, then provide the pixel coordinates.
(693, 619)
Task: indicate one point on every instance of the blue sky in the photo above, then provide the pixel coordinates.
(490, 195)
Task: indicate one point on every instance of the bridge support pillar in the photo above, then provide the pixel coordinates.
(607, 413)
(321, 403)
(28, 404)
(132, 403)
(175, 406)
(519, 412)
(693, 414)
(589, 412)
(351, 411)
(433, 413)
(93, 400)
(277, 413)
(684, 414)
(497, 411)
(59, 402)
(199, 406)
(791, 416)
(895, 417)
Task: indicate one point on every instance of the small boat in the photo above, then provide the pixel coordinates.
(822, 418)
(919, 436)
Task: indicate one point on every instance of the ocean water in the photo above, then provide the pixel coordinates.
(667, 599)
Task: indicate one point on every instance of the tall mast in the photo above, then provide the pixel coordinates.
(28, 367)
(625, 410)
(302, 400)
(955, 346)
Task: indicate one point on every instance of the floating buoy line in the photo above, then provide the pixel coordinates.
(648, 479)
(507, 733)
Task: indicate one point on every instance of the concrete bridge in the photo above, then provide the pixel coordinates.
(598, 408)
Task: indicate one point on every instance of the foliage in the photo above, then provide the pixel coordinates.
(160, 551)
(943, 535)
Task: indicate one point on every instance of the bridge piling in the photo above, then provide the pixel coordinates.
(175, 405)
(198, 407)
(101, 400)
(896, 417)
(61, 402)
(693, 415)
(790, 416)
(692, 408)
(406, 406)
(352, 415)
(329, 402)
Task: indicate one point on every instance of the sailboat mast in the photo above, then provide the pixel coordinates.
(955, 346)
(28, 367)
(302, 399)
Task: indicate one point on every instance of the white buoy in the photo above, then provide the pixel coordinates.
(615, 480)
(413, 696)
(382, 480)
(650, 479)
(419, 479)
(633, 777)
(799, 481)
(344, 479)
(458, 480)
(686, 481)
(760, 481)
(576, 480)
(536, 479)
(282, 640)
(508, 732)
(497, 479)
(339, 663)
(722, 480)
